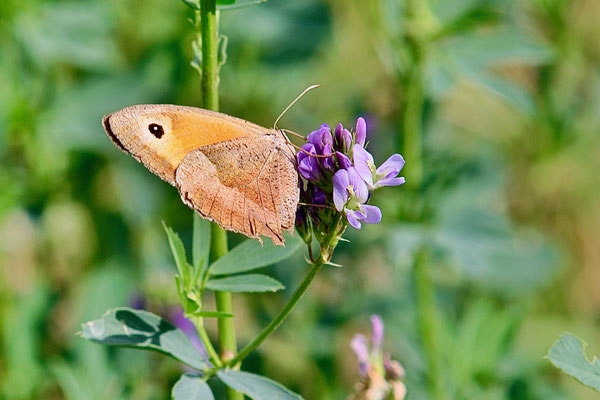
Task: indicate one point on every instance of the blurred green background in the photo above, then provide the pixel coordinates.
(508, 207)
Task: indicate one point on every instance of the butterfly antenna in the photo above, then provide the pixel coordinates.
(294, 134)
(293, 102)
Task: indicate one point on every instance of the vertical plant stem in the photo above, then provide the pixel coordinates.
(429, 324)
(209, 26)
(210, 97)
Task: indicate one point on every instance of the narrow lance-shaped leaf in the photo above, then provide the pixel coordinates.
(256, 386)
(200, 245)
(141, 329)
(193, 4)
(245, 283)
(191, 387)
(568, 355)
(178, 251)
(239, 4)
(250, 255)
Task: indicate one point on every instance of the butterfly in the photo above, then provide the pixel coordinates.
(232, 172)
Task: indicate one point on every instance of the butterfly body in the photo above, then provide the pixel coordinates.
(233, 172)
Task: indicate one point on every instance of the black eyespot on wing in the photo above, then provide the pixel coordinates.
(157, 130)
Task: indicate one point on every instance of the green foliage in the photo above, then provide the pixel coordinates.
(191, 387)
(200, 244)
(255, 386)
(64, 65)
(141, 329)
(245, 283)
(251, 255)
(568, 355)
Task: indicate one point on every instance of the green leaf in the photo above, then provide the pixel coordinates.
(212, 314)
(250, 255)
(178, 251)
(239, 4)
(141, 329)
(193, 4)
(245, 283)
(225, 2)
(191, 387)
(568, 355)
(200, 245)
(256, 386)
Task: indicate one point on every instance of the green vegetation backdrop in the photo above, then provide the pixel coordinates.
(503, 98)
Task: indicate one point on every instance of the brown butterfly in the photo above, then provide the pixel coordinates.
(238, 174)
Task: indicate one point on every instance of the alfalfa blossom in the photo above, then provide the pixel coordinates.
(340, 175)
(380, 376)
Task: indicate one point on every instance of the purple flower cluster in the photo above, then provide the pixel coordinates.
(339, 171)
(381, 377)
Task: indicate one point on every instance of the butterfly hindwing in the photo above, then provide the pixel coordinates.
(246, 185)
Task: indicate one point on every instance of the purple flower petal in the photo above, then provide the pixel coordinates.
(361, 131)
(372, 214)
(343, 138)
(308, 166)
(340, 189)
(316, 139)
(359, 187)
(338, 130)
(359, 346)
(320, 137)
(343, 160)
(319, 197)
(327, 162)
(175, 314)
(392, 165)
(390, 182)
(377, 331)
(308, 148)
(339, 139)
(347, 140)
(300, 217)
(363, 160)
(326, 136)
(387, 172)
(354, 218)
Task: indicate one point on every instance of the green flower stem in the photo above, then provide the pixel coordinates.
(274, 324)
(209, 29)
(428, 322)
(212, 353)
(210, 96)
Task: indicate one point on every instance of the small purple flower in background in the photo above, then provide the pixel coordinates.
(380, 376)
(176, 317)
(137, 301)
(339, 172)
